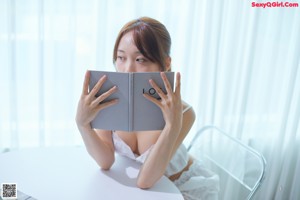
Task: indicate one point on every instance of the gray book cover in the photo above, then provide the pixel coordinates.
(133, 112)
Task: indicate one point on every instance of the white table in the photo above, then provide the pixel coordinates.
(70, 173)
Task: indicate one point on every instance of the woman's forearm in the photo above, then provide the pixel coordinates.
(99, 150)
(159, 158)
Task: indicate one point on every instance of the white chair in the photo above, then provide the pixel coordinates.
(241, 169)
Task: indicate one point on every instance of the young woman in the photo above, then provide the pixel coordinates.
(143, 45)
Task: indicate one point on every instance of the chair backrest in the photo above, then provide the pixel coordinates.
(241, 169)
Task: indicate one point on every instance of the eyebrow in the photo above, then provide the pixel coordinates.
(122, 51)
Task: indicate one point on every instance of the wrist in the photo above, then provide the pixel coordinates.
(84, 128)
(172, 129)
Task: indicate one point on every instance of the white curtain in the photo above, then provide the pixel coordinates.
(239, 65)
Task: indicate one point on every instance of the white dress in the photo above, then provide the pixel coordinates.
(196, 183)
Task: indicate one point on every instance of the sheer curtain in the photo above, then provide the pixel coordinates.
(239, 65)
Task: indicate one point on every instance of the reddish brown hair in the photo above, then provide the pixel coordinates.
(151, 38)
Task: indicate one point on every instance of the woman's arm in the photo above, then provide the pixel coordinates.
(99, 145)
(176, 128)
(163, 151)
(187, 122)
(98, 142)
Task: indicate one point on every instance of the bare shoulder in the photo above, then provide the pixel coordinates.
(185, 105)
(189, 115)
(186, 108)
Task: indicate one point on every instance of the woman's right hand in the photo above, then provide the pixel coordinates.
(89, 105)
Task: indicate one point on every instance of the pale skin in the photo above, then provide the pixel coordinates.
(99, 143)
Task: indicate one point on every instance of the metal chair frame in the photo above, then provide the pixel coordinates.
(242, 145)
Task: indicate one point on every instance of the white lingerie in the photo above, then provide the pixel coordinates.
(195, 183)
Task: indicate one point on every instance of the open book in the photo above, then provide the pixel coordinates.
(133, 112)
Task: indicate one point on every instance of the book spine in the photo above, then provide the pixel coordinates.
(131, 103)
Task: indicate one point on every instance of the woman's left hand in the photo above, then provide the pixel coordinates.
(170, 103)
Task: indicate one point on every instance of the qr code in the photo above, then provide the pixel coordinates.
(9, 191)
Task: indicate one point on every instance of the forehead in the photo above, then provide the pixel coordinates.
(128, 37)
(127, 41)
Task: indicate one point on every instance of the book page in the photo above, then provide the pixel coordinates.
(115, 117)
(146, 115)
